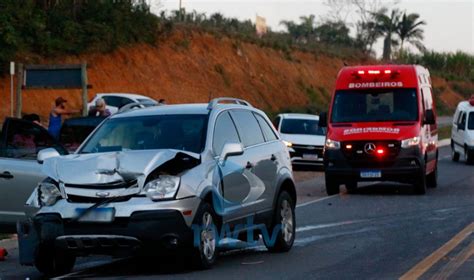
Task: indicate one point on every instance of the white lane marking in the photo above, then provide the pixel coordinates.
(12, 213)
(314, 227)
(315, 201)
(304, 241)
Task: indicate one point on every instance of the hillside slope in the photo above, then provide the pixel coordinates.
(192, 66)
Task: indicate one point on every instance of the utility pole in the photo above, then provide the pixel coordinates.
(19, 79)
(84, 88)
(180, 10)
(12, 73)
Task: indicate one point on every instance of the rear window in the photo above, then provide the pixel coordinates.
(302, 127)
(375, 105)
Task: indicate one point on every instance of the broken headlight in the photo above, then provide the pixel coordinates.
(48, 193)
(165, 187)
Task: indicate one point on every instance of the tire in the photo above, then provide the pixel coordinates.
(454, 154)
(351, 186)
(420, 184)
(204, 255)
(332, 187)
(468, 157)
(432, 178)
(284, 221)
(52, 263)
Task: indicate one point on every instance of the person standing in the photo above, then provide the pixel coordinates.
(100, 109)
(55, 117)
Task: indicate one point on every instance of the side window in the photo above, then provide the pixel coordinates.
(24, 140)
(276, 123)
(267, 130)
(117, 101)
(248, 127)
(224, 132)
(462, 123)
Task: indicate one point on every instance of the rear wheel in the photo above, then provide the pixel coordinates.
(454, 154)
(285, 223)
(332, 186)
(468, 157)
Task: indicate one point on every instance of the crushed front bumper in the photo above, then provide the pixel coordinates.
(149, 232)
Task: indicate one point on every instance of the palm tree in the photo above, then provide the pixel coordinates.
(308, 24)
(409, 30)
(388, 25)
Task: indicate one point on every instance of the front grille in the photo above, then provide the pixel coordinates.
(86, 199)
(359, 156)
(300, 150)
(107, 186)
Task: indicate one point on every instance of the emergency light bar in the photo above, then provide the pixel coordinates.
(375, 72)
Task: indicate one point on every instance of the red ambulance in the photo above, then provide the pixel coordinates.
(381, 126)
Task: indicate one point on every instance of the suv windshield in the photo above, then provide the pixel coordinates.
(375, 105)
(180, 132)
(470, 123)
(302, 126)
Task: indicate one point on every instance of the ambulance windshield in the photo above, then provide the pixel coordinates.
(375, 105)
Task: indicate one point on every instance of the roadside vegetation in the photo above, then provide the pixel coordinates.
(32, 30)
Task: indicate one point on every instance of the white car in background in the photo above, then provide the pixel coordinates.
(303, 136)
(462, 134)
(115, 101)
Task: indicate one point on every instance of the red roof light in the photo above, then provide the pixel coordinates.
(380, 152)
(361, 72)
(374, 72)
(388, 71)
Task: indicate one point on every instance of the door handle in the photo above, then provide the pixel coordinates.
(249, 165)
(273, 158)
(6, 175)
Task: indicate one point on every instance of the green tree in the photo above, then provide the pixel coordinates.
(410, 30)
(334, 33)
(388, 25)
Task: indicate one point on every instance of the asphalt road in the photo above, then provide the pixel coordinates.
(384, 231)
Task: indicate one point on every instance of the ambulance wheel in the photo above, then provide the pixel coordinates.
(332, 186)
(468, 156)
(420, 184)
(432, 178)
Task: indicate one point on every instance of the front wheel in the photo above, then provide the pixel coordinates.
(420, 184)
(332, 187)
(454, 154)
(284, 222)
(52, 263)
(432, 178)
(205, 254)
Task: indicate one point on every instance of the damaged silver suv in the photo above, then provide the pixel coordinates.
(175, 177)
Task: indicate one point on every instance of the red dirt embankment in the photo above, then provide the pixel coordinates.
(191, 66)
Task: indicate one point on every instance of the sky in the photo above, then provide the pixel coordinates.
(450, 23)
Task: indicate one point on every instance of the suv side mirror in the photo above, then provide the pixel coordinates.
(323, 119)
(47, 153)
(429, 117)
(231, 149)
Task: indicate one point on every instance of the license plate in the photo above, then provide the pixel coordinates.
(310, 156)
(371, 174)
(99, 215)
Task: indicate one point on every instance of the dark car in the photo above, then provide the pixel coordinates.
(75, 130)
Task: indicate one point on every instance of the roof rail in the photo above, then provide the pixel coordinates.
(216, 101)
(137, 105)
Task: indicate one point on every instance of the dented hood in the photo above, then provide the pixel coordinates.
(103, 168)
